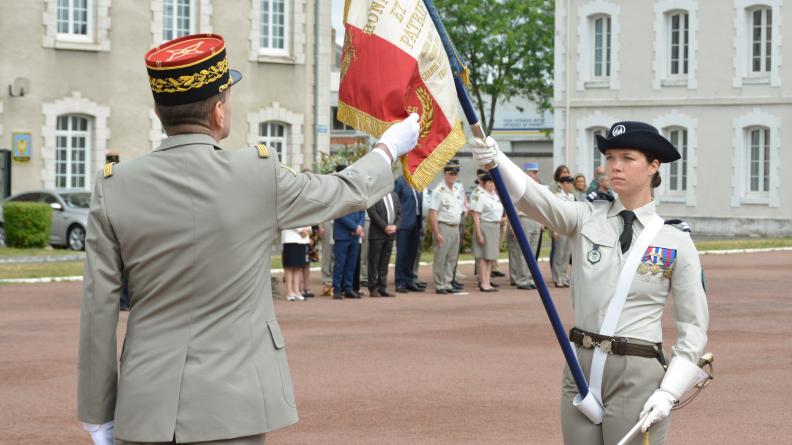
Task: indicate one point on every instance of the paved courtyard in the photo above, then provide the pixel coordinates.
(434, 369)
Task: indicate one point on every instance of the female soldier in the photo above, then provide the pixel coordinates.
(619, 339)
(487, 213)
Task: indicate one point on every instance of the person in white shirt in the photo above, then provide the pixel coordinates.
(487, 213)
(562, 244)
(627, 261)
(295, 256)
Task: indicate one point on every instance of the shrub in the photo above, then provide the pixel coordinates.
(27, 224)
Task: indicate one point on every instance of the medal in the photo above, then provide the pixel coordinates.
(594, 255)
(643, 269)
(667, 274)
(656, 269)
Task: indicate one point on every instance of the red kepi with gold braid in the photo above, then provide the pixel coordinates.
(393, 64)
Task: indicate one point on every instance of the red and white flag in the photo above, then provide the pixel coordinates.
(393, 64)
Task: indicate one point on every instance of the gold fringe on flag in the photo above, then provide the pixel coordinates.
(361, 120)
(429, 167)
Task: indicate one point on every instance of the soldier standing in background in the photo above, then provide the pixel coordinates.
(444, 216)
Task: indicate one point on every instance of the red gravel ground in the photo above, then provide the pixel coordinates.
(434, 369)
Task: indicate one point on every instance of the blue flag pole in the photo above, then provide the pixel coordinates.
(475, 127)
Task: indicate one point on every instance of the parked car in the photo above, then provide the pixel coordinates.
(69, 215)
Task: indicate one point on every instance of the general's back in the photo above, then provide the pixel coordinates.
(195, 227)
(191, 226)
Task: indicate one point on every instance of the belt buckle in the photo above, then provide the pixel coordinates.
(588, 343)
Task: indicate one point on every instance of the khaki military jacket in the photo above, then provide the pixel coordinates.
(447, 202)
(670, 266)
(192, 228)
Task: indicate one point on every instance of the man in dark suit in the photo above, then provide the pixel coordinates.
(408, 235)
(347, 232)
(385, 216)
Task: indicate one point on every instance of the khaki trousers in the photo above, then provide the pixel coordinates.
(445, 256)
(327, 253)
(562, 252)
(518, 268)
(364, 254)
(627, 383)
(258, 439)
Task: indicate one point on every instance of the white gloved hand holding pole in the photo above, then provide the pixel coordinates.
(401, 137)
(101, 434)
(488, 155)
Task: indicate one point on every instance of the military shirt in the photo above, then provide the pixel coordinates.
(489, 206)
(670, 266)
(446, 201)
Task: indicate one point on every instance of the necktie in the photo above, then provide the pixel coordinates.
(389, 208)
(627, 232)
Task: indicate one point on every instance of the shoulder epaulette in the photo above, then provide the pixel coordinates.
(679, 224)
(108, 170)
(599, 196)
(262, 151)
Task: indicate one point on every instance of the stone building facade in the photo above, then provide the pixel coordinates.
(87, 100)
(711, 75)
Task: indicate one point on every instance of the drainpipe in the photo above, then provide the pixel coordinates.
(316, 90)
(568, 74)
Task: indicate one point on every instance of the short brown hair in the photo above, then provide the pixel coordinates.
(195, 113)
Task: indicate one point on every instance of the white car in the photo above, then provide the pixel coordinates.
(69, 215)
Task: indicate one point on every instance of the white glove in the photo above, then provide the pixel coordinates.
(101, 434)
(488, 154)
(658, 406)
(486, 151)
(401, 137)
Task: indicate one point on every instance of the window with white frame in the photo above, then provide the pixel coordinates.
(678, 171)
(178, 18)
(679, 42)
(757, 42)
(75, 20)
(597, 157)
(274, 136)
(601, 50)
(758, 161)
(761, 39)
(72, 151)
(273, 26)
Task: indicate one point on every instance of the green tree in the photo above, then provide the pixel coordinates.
(508, 46)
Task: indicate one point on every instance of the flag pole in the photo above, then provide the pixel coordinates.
(478, 131)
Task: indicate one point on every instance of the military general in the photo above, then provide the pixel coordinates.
(190, 226)
(445, 215)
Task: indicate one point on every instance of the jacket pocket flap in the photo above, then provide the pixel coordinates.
(275, 333)
(597, 235)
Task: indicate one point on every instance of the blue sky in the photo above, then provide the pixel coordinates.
(337, 13)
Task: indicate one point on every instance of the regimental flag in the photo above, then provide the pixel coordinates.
(393, 64)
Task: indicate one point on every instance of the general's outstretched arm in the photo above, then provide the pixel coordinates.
(306, 199)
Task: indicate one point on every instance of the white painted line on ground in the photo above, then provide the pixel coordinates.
(317, 269)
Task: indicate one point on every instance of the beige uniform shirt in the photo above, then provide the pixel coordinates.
(192, 227)
(669, 267)
(447, 204)
(489, 206)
